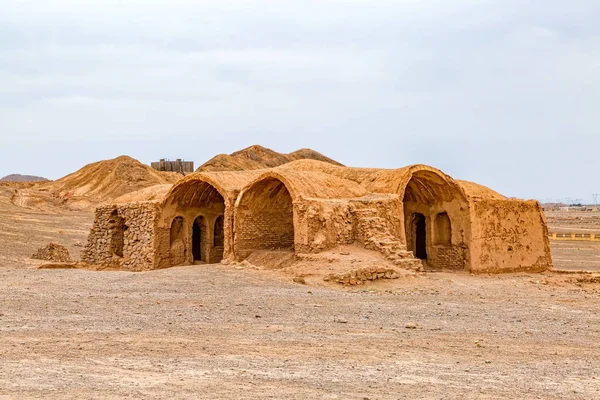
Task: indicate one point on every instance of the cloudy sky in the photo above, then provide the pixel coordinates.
(502, 92)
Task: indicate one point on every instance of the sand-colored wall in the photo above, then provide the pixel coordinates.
(509, 236)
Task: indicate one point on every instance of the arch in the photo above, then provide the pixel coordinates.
(264, 217)
(178, 250)
(429, 194)
(442, 230)
(117, 228)
(200, 201)
(196, 189)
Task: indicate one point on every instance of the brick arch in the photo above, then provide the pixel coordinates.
(264, 217)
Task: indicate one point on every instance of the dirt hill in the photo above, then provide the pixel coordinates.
(105, 181)
(23, 178)
(258, 157)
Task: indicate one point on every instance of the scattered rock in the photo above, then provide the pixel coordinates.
(53, 252)
(300, 279)
(411, 325)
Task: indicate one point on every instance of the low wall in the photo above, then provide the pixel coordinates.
(585, 237)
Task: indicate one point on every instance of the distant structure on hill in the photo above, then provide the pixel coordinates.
(22, 178)
(183, 167)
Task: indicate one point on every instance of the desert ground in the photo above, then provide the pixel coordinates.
(224, 331)
(576, 255)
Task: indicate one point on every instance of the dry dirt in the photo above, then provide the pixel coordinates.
(574, 221)
(218, 331)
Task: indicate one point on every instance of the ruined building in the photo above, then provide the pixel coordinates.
(415, 215)
(180, 166)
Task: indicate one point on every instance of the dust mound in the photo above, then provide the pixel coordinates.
(258, 157)
(53, 252)
(23, 178)
(105, 181)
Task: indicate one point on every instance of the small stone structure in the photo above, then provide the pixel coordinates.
(123, 236)
(411, 215)
(53, 252)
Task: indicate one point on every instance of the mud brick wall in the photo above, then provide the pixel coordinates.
(509, 236)
(447, 257)
(123, 237)
(270, 229)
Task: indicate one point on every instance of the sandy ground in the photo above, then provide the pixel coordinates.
(217, 332)
(574, 221)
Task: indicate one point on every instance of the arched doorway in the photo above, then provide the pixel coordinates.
(218, 240)
(264, 219)
(420, 236)
(436, 218)
(199, 239)
(177, 249)
(200, 203)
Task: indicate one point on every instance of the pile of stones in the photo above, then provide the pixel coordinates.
(53, 252)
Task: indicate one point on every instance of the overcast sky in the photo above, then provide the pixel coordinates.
(502, 92)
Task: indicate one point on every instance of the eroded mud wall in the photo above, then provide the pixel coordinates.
(325, 224)
(123, 237)
(509, 236)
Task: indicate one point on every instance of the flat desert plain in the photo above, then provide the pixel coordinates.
(222, 332)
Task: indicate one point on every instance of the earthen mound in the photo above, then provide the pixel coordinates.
(22, 178)
(105, 181)
(258, 157)
(53, 252)
(156, 192)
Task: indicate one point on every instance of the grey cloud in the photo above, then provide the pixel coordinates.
(501, 92)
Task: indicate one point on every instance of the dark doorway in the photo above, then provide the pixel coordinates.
(420, 237)
(219, 232)
(118, 228)
(198, 232)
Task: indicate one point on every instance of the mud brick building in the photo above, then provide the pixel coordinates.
(416, 215)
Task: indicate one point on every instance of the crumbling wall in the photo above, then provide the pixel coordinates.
(509, 236)
(324, 224)
(123, 237)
